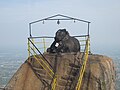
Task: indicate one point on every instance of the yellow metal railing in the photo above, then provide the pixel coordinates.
(54, 84)
(32, 51)
(44, 43)
(81, 73)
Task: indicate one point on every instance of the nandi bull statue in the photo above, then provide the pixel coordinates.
(64, 43)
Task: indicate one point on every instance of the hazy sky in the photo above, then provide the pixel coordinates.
(104, 16)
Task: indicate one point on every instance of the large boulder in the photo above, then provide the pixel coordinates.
(99, 73)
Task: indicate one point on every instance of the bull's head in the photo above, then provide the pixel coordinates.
(61, 34)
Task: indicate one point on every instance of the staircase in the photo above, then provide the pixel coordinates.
(66, 75)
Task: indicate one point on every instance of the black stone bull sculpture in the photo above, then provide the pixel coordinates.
(64, 43)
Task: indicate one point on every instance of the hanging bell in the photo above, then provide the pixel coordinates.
(74, 20)
(58, 22)
(43, 22)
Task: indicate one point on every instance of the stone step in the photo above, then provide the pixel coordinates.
(39, 70)
(44, 76)
(72, 71)
(60, 88)
(61, 82)
(74, 66)
(68, 77)
(41, 75)
(36, 68)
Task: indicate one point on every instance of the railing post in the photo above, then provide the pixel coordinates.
(44, 44)
(30, 31)
(81, 73)
(54, 84)
(33, 46)
(28, 48)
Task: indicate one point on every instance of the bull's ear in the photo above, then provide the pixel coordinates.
(54, 38)
(67, 33)
(64, 30)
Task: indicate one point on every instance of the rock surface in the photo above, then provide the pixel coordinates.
(99, 73)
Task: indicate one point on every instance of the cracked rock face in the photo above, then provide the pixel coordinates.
(99, 73)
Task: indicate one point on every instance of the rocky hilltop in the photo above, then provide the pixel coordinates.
(99, 73)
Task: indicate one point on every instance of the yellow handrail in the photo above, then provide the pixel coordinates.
(83, 66)
(54, 82)
(54, 78)
(33, 46)
(28, 48)
(44, 65)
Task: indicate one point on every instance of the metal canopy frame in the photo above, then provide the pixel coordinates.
(63, 17)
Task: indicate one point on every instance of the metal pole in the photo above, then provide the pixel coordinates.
(89, 37)
(52, 18)
(30, 30)
(88, 28)
(44, 44)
